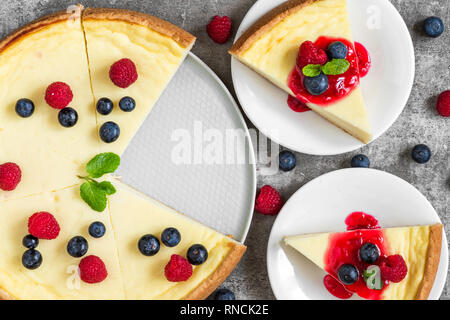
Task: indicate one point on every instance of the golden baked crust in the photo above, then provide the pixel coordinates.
(266, 23)
(432, 262)
(184, 38)
(208, 285)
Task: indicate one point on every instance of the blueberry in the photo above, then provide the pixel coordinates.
(32, 259)
(421, 153)
(109, 132)
(127, 104)
(224, 294)
(104, 106)
(348, 274)
(97, 229)
(369, 252)
(433, 26)
(337, 50)
(197, 254)
(68, 117)
(77, 247)
(360, 161)
(171, 237)
(287, 160)
(30, 242)
(316, 85)
(24, 108)
(148, 245)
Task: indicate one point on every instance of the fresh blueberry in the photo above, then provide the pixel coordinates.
(369, 252)
(77, 247)
(316, 85)
(109, 132)
(348, 274)
(104, 106)
(30, 242)
(224, 294)
(24, 108)
(148, 245)
(32, 259)
(197, 254)
(127, 104)
(433, 26)
(421, 153)
(337, 50)
(68, 117)
(171, 237)
(360, 161)
(97, 229)
(287, 160)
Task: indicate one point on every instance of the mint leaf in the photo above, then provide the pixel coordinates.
(312, 70)
(336, 67)
(372, 277)
(93, 195)
(107, 187)
(102, 164)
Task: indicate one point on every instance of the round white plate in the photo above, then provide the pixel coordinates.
(194, 106)
(322, 206)
(386, 89)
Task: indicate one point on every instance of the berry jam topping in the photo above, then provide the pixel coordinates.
(361, 220)
(296, 105)
(336, 288)
(364, 60)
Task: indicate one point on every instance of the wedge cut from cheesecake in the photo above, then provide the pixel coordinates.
(420, 247)
(156, 47)
(270, 47)
(134, 215)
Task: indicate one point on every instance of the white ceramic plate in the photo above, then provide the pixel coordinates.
(220, 196)
(386, 89)
(322, 205)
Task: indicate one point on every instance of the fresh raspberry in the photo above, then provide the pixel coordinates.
(10, 176)
(309, 53)
(178, 269)
(43, 225)
(58, 95)
(219, 29)
(92, 269)
(123, 73)
(443, 104)
(268, 201)
(393, 268)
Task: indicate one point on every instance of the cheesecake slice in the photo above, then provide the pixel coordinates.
(270, 47)
(420, 247)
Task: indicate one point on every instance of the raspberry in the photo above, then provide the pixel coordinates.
(92, 269)
(178, 269)
(443, 104)
(10, 176)
(219, 29)
(393, 268)
(269, 201)
(123, 73)
(43, 225)
(309, 53)
(58, 95)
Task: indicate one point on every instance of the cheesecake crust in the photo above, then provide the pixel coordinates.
(266, 23)
(182, 37)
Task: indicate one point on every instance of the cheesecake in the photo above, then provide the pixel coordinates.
(271, 48)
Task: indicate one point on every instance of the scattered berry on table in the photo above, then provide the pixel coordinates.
(97, 229)
(149, 245)
(287, 160)
(10, 176)
(316, 85)
(309, 53)
(348, 274)
(337, 50)
(92, 269)
(178, 269)
(443, 104)
(433, 26)
(369, 252)
(58, 95)
(127, 104)
(360, 161)
(32, 259)
(219, 29)
(421, 153)
(77, 247)
(171, 237)
(30, 241)
(43, 225)
(123, 73)
(268, 201)
(24, 108)
(109, 132)
(105, 106)
(393, 268)
(197, 254)
(224, 294)
(68, 117)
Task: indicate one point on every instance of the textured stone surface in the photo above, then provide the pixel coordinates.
(419, 122)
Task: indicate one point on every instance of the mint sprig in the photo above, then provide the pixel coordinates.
(95, 193)
(333, 67)
(372, 277)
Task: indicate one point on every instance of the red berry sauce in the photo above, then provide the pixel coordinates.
(296, 105)
(364, 60)
(361, 220)
(336, 288)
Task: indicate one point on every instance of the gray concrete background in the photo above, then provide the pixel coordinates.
(419, 122)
